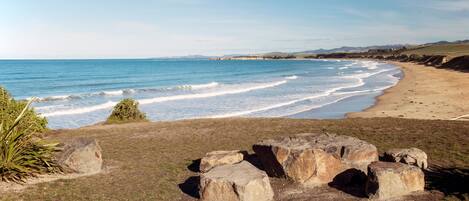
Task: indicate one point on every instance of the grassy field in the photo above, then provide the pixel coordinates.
(151, 161)
(451, 50)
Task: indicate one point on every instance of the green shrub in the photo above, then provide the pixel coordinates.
(126, 111)
(10, 109)
(21, 153)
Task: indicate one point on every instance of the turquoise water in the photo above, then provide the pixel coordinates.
(75, 93)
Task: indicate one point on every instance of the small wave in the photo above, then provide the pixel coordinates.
(212, 94)
(293, 77)
(366, 75)
(114, 93)
(124, 92)
(198, 86)
(342, 68)
(371, 65)
(106, 105)
(58, 98)
(317, 106)
(45, 107)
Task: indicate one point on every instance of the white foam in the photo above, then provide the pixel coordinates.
(111, 104)
(371, 65)
(323, 94)
(112, 93)
(122, 92)
(53, 98)
(211, 94)
(199, 86)
(106, 105)
(316, 106)
(342, 68)
(293, 77)
(366, 75)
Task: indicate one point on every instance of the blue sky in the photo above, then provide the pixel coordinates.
(151, 28)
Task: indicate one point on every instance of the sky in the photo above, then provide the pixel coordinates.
(159, 28)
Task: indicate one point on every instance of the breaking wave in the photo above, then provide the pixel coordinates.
(126, 92)
(110, 104)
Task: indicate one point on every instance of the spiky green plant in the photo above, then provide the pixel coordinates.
(126, 111)
(21, 153)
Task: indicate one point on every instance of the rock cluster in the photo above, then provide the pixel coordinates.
(314, 159)
(310, 160)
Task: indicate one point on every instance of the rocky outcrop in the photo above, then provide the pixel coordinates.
(458, 63)
(81, 156)
(314, 159)
(218, 158)
(411, 156)
(433, 60)
(387, 180)
(238, 182)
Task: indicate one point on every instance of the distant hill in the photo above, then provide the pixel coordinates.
(454, 48)
(443, 42)
(347, 49)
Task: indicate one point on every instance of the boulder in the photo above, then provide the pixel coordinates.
(237, 182)
(387, 180)
(314, 159)
(81, 156)
(411, 156)
(217, 158)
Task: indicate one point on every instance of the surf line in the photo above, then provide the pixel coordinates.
(111, 104)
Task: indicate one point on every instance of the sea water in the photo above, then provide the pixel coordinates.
(75, 93)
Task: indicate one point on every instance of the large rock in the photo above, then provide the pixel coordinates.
(387, 180)
(411, 156)
(314, 159)
(238, 182)
(81, 155)
(218, 158)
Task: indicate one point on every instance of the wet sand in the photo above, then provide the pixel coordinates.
(423, 93)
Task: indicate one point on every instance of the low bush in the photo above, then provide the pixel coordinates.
(10, 110)
(126, 111)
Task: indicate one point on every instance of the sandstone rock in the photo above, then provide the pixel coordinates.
(238, 182)
(217, 158)
(387, 180)
(411, 156)
(314, 159)
(81, 155)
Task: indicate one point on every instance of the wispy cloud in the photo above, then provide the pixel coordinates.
(448, 5)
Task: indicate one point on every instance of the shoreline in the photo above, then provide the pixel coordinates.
(424, 92)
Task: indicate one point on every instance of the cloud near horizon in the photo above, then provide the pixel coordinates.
(151, 28)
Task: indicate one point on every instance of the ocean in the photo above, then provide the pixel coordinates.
(76, 93)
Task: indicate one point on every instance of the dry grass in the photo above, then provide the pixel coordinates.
(451, 50)
(149, 160)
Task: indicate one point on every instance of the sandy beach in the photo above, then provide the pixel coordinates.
(423, 93)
